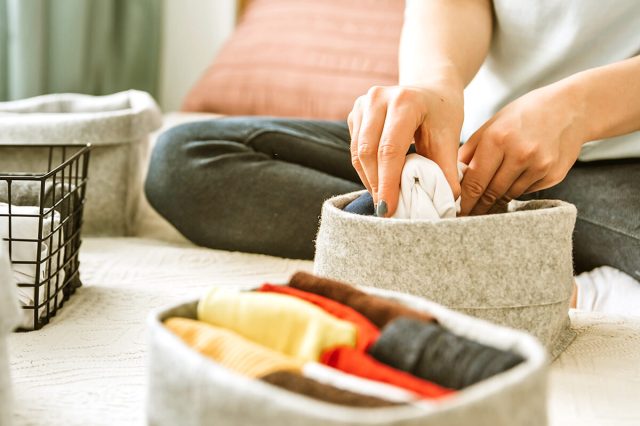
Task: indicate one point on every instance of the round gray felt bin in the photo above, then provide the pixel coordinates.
(116, 125)
(512, 268)
(189, 389)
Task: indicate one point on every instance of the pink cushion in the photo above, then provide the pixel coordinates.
(302, 58)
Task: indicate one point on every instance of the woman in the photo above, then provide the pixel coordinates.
(546, 82)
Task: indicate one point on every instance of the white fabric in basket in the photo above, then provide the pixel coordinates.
(425, 192)
(26, 227)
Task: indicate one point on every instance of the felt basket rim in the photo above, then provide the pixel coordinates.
(517, 209)
(138, 116)
(534, 354)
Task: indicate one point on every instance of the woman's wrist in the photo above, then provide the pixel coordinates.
(445, 77)
(570, 97)
(605, 99)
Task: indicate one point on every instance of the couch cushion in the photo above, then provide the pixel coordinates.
(302, 58)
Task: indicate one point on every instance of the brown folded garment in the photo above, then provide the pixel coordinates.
(378, 310)
(295, 382)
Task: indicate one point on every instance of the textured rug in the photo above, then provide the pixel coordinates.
(87, 367)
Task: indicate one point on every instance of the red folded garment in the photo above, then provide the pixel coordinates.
(367, 332)
(360, 364)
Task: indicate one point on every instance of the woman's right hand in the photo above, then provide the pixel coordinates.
(387, 120)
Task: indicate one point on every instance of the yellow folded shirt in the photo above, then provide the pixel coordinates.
(283, 323)
(230, 349)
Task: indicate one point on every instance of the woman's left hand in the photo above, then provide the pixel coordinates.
(527, 146)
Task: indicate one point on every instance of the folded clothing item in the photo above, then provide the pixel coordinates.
(342, 380)
(27, 193)
(256, 361)
(297, 383)
(62, 196)
(283, 323)
(424, 192)
(433, 353)
(230, 349)
(23, 225)
(354, 362)
(379, 311)
(367, 333)
(363, 205)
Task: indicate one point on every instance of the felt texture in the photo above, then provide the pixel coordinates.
(367, 333)
(116, 125)
(514, 268)
(187, 389)
(431, 352)
(9, 318)
(283, 323)
(378, 311)
(360, 364)
(297, 383)
(230, 349)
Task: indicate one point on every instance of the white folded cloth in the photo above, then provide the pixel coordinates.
(609, 290)
(26, 227)
(330, 376)
(425, 192)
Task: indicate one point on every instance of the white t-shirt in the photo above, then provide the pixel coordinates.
(536, 43)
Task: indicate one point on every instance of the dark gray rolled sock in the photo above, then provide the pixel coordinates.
(429, 351)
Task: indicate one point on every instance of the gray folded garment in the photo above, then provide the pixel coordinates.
(27, 193)
(429, 351)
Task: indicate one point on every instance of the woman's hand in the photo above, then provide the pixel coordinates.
(387, 120)
(527, 146)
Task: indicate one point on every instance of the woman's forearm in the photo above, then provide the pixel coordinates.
(444, 41)
(607, 98)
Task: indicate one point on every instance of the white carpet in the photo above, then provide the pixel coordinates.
(88, 366)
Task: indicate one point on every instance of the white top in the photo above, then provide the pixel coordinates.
(536, 43)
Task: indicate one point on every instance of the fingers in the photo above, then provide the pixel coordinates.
(466, 151)
(496, 192)
(354, 120)
(482, 168)
(443, 149)
(373, 117)
(396, 137)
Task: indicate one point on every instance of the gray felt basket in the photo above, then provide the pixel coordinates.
(117, 126)
(189, 389)
(9, 319)
(512, 268)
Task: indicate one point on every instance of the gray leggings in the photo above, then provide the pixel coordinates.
(256, 185)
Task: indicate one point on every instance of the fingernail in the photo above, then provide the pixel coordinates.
(381, 209)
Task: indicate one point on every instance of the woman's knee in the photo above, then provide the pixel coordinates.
(167, 160)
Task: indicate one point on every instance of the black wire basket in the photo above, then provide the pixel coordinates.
(41, 203)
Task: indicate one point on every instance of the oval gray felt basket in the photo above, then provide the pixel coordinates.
(116, 125)
(188, 389)
(512, 268)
